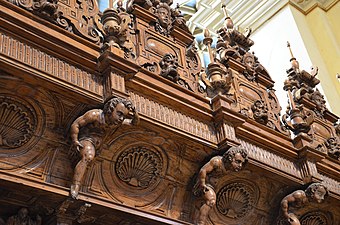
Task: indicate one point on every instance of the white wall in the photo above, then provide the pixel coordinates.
(271, 49)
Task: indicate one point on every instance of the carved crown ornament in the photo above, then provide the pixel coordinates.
(307, 115)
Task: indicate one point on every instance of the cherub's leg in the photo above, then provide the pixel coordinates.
(87, 155)
(210, 201)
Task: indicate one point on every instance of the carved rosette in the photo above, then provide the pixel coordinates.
(139, 167)
(236, 200)
(315, 218)
(17, 123)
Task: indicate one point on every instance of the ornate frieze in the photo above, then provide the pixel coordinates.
(271, 159)
(173, 117)
(332, 184)
(51, 65)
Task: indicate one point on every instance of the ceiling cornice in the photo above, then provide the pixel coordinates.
(306, 6)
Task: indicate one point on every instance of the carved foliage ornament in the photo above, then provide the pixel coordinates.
(139, 167)
(77, 16)
(17, 123)
(236, 200)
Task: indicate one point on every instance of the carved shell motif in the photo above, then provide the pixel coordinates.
(139, 167)
(16, 127)
(235, 200)
(314, 218)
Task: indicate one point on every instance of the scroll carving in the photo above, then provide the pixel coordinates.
(89, 131)
(233, 160)
(77, 16)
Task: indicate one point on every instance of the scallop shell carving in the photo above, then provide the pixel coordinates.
(16, 127)
(235, 200)
(314, 218)
(139, 167)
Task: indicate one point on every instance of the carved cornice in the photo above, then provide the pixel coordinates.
(54, 69)
(306, 6)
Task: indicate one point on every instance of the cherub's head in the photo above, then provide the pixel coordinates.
(316, 192)
(116, 110)
(235, 159)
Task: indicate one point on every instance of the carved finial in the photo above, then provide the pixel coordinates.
(228, 23)
(295, 63)
(120, 3)
(207, 41)
(111, 4)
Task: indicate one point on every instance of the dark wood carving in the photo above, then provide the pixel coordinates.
(307, 116)
(315, 192)
(234, 159)
(89, 130)
(62, 63)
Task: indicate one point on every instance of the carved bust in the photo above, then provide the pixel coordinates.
(315, 192)
(89, 130)
(232, 160)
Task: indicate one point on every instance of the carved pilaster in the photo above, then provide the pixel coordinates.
(115, 71)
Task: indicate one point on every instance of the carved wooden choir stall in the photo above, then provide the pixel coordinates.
(109, 118)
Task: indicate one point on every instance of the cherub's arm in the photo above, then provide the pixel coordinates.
(291, 199)
(208, 168)
(134, 120)
(90, 116)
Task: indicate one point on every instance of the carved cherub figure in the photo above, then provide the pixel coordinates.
(89, 130)
(232, 160)
(315, 192)
(23, 218)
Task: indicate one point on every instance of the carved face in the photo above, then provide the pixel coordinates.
(118, 114)
(23, 213)
(249, 61)
(237, 162)
(319, 194)
(163, 16)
